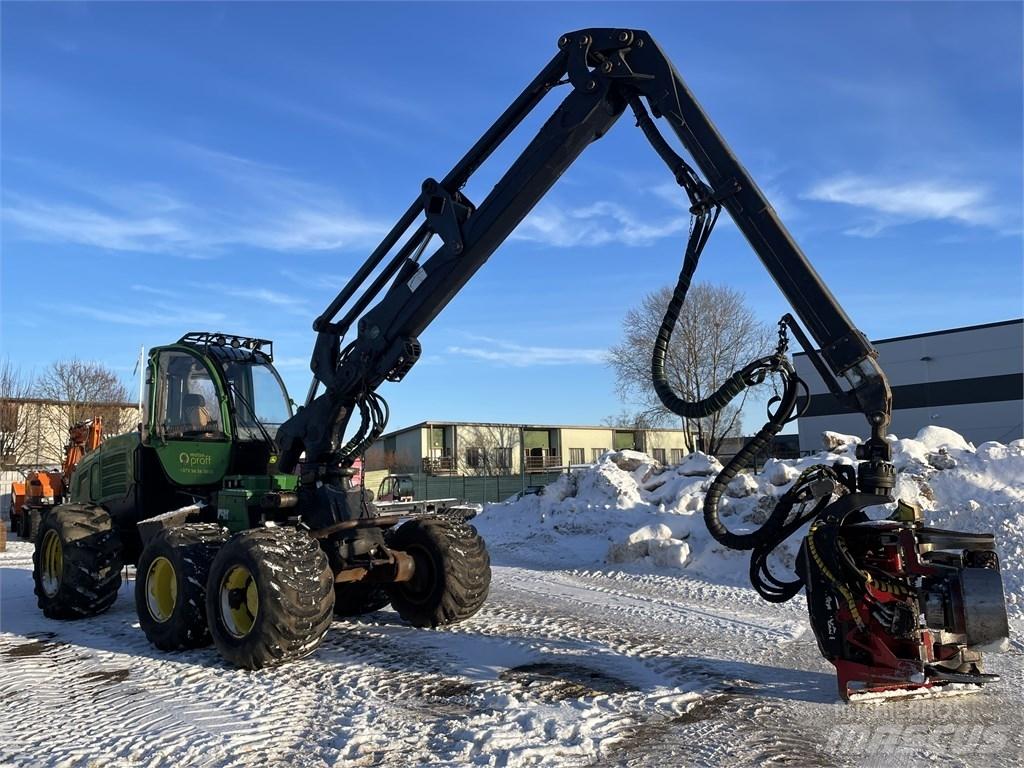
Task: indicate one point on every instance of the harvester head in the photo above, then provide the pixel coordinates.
(901, 609)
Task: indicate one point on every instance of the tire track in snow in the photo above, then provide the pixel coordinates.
(557, 584)
(718, 683)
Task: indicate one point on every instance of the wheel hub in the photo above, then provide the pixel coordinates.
(420, 586)
(161, 589)
(52, 566)
(239, 601)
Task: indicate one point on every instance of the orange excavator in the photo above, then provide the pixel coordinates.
(45, 488)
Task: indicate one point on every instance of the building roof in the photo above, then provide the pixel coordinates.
(517, 425)
(944, 331)
(82, 404)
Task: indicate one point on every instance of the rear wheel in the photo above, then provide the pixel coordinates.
(269, 597)
(170, 586)
(452, 573)
(77, 562)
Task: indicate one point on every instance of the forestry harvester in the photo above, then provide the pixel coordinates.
(234, 539)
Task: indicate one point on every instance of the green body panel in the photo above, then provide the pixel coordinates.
(243, 492)
(194, 462)
(233, 508)
(262, 483)
(108, 473)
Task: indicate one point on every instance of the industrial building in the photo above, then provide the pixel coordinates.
(969, 379)
(471, 448)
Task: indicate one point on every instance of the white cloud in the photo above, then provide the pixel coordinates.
(268, 298)
(119, 231)
(314, 279)
(893, 203)
(158, 315)
(255, 205)
(598, 224)
(156, 291)
(521, 356)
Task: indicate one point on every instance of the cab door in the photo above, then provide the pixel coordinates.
(189, 419)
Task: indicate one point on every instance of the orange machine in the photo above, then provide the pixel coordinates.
(44, 488)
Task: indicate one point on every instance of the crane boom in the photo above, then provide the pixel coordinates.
(606, 71)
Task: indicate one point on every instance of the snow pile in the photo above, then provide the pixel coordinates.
(628, 508)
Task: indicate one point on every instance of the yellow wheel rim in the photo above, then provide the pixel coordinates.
(52, 566)
(239, 601)
(161, 589)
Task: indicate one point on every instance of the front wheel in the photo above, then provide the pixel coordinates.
(76, 564)
(452, 571)
(269, 597)
(170, 585)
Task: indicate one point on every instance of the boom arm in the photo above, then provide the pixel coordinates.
(607, 70)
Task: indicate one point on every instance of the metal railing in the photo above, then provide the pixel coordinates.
(541, 463)
(441, 465)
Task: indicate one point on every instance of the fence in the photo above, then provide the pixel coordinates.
(478, 489)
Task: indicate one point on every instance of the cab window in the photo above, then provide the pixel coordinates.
(187, 404)
(260, 399)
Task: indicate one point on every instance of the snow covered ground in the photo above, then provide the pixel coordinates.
(616, 633)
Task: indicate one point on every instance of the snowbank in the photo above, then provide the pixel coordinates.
(628, 508)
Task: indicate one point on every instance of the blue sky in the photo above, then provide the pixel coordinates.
(202, 166)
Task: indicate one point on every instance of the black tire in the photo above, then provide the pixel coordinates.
(28, 523)
(283, 593)
(76, 564)
(452, 576)
(357, 599)
(170, 585)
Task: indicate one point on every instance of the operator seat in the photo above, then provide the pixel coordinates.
(197, 417)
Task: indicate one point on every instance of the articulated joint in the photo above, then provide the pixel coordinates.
(597, 54)
(445, 213)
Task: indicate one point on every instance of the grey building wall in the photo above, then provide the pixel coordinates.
(968, 379)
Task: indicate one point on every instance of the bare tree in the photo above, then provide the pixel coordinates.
(80, 391)
(644, 418)
(16, 419)
(491, 448)
(377, 458)
(716, 334)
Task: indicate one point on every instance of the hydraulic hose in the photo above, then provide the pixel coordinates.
(705, 206)
(753, 448)
(753, 373)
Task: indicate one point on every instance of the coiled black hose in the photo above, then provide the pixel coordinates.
(779, 525)
(754, 447)
(752, 373)
(705, 205)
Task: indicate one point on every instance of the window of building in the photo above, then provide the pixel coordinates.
(503, 458)
(677, 455)
(8, 417)
(659, 455)
(476, 457)
(597, 453)
(576, 456)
